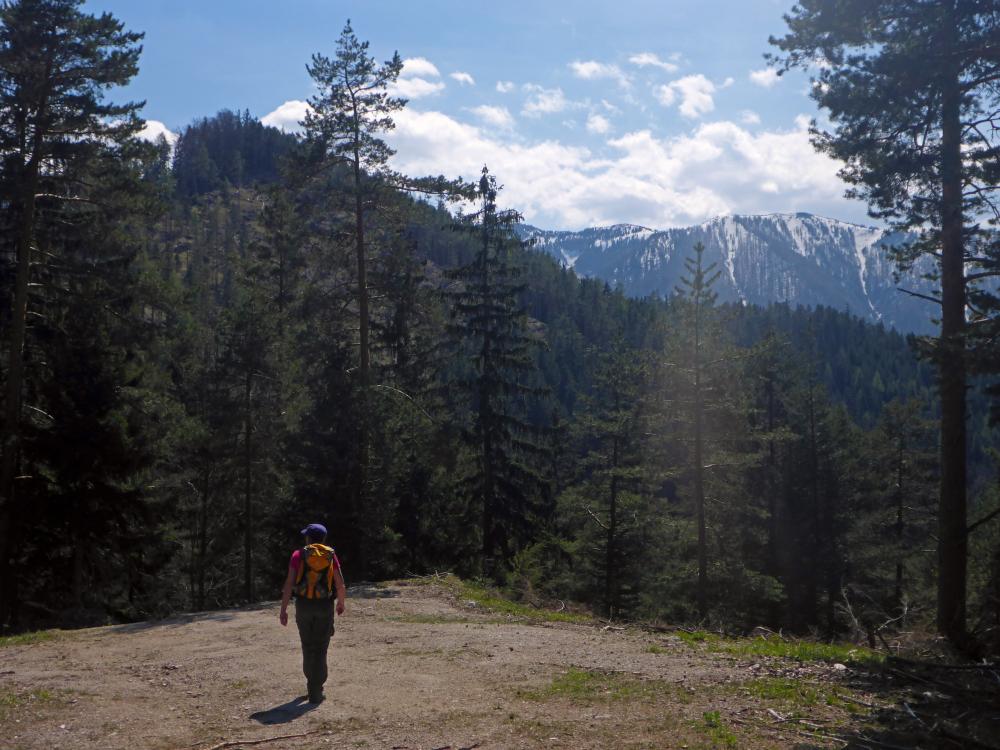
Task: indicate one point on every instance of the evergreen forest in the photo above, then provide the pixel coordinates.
(208, 344)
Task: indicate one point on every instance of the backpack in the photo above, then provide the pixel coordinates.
(315, 577)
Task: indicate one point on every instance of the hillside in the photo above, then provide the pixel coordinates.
(433, 663)
(800, 259)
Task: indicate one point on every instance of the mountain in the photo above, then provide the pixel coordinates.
(797, 258)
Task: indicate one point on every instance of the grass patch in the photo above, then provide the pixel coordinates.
(801, 651)
(692, 637)
(11, 701)
(492, 601)
(419, 619)
(777, 648)
(27, 639)
(798, 694)
(583, 686)
(716, 729)
(654, 648)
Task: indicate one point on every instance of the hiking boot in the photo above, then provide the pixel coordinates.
(317, 697)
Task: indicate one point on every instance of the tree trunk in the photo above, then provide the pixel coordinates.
(952, 535)
(10, 442)
(610, 552)
(699, 468)
(898, 592)
(247, 493)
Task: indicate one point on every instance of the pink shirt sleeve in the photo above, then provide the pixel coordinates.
(336, 562)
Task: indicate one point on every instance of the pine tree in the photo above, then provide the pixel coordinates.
(911, 92)
(351, 109)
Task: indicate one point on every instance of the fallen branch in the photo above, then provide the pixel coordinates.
(240, 743)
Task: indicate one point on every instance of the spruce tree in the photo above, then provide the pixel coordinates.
(613, 493)
(490, 329)
(59, 136)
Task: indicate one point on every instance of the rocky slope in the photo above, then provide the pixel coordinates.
(798, 258)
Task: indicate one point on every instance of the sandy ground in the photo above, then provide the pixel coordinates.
(411, 667)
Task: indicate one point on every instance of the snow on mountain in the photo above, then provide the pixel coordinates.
(797, 258)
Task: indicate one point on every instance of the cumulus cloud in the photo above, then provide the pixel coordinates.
(419, 66)
(765, 77)
(505, 87)
(718, 168)
(287, 116)
(591, 70)
(694, 92)
(749, 117)
(646, 59)
(543, 101)
(414, 80)
(464, 78)
(598, 125)
(153, 129)
(415, 88)
(498, 117)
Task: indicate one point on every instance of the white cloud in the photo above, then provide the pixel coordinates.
(543, 101)
(153, 129)
(414, 80)
(591, 70)
(718, 168)
(695, 93)
(645, 59)
(287, 116)
(415, 88)
(498, 117)
(749, 117)
(598, 125)
(463, 78)
(505, 87)
(419, 66)
(610, 107)
(665, 95)
(765, 77)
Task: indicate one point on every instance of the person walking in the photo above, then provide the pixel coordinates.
(315, 579)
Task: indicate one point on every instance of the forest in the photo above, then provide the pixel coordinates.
(207, 345)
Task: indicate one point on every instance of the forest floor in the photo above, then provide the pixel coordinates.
(434, 663)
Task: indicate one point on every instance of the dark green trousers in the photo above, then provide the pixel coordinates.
(314, 618)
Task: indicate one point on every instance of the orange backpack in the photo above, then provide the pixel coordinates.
(315, 577)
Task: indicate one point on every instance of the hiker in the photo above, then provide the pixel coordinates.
(313, 576)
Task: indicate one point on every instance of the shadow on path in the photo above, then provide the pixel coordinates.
(932, 706)
(286, 712)
(368, 590)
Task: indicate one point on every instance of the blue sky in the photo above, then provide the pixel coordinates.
(656, 113)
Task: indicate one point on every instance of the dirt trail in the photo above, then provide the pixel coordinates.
(411, 667)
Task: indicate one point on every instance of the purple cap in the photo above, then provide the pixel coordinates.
(314, 528)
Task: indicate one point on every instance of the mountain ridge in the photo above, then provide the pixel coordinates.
(793, 257)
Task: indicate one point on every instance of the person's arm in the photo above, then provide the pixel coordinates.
(338, 581)
(286, 595)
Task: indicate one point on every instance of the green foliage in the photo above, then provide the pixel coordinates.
(27, 639)
(801, 651)
(224, 353)
(715, 728)
(228, 150)
(489, 332)
(492, 601)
